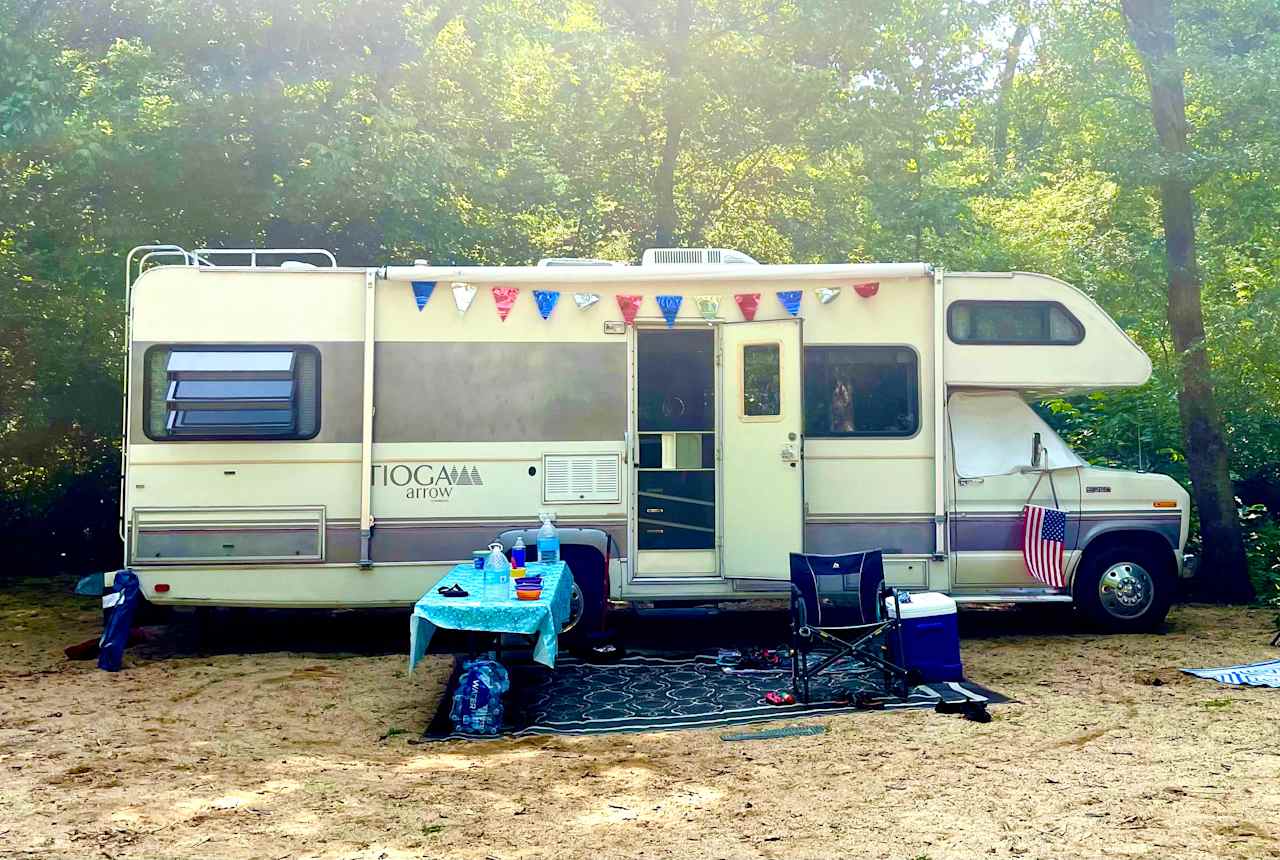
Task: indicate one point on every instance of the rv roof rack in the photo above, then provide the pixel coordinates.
(205, 255)
(138, 258)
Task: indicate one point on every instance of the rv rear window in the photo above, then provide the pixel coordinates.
(225, 393)
(861, 391)
(1013, 323)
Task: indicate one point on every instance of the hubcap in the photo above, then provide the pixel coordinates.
(576, 601)
(1126, 590)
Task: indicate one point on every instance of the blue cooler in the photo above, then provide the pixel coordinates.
(930, 636)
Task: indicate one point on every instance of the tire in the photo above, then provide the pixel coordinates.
(590, 586)
(1124, 589)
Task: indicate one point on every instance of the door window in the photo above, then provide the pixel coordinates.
(761, 380)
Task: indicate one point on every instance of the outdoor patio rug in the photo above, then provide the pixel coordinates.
(644, 693)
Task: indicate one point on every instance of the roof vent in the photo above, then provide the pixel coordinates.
(693, 257)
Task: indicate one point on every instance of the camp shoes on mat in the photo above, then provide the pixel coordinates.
(775, 697)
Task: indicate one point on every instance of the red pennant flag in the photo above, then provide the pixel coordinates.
(867, 290)
(747, 303)
(629, 305)
(504, 298)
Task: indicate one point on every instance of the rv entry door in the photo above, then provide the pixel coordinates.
(761, 473)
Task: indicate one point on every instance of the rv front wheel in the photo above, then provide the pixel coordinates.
(1124, 589)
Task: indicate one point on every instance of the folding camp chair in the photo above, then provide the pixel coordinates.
(837, 617)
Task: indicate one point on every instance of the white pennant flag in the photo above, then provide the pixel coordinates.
(463, 296)
(585, 300)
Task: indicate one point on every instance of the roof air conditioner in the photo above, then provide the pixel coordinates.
(693, 257)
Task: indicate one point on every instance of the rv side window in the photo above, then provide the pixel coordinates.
(220, 393)
(1013, 323)
(852, 391)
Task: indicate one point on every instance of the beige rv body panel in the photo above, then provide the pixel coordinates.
(473, 416)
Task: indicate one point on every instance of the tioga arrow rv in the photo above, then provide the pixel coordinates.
(305, 434)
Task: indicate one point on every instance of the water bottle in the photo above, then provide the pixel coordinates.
(497, 574)
(518, 552)
(548, 542)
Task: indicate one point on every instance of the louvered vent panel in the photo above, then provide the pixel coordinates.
(581, 478)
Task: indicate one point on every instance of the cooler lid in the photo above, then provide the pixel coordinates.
(922, 604)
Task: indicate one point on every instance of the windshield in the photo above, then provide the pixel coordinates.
(991, 433)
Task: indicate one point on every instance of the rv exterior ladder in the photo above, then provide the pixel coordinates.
(366, 431)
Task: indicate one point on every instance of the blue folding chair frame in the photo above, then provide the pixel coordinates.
(837, 604)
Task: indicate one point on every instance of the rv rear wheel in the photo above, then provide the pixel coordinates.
(1124, 589)
(587, 600)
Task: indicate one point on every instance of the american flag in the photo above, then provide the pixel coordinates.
(1044, 534)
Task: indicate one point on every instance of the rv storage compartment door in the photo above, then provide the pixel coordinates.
(227, 535)
(761, 475)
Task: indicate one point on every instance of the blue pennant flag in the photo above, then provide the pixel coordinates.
(546, 300)
(670, 306)
(790, 300)
(422, 292)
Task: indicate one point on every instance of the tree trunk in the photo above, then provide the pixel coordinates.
(1005, 84)
(1224, 567)
(673, 117)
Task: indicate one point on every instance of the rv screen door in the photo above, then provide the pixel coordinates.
(761, 473)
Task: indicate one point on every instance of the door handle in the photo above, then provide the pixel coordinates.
(789, 453)
(966, 482)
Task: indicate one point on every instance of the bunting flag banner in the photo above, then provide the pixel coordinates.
(463, 296)
(629, 305)
(546, 300)
(422, 292)
(748, 303)
(790, 300)
(504, 298)
(585, 300)
(670, 306)
(867, 290)
(708, 306)
(827, 295)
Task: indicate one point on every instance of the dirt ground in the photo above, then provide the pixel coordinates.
(297, 736)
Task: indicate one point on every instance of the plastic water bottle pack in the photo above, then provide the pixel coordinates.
(477, 703)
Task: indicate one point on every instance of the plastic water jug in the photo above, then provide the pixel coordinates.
(497, 574)
(548, 542)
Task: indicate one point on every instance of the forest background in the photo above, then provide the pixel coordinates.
(998, 135)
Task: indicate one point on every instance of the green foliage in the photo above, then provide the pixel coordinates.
(465, 131)
(1262, 538)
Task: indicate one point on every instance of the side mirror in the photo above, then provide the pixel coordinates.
(1037, 450)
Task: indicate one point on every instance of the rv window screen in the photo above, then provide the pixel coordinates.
(853, 391)
(232, 393)
(1013, 323)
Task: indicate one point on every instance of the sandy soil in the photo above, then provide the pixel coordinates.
(296, 736)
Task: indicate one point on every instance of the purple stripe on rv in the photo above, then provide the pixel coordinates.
(1003, 532)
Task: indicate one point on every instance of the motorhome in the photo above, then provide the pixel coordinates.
(302, 434)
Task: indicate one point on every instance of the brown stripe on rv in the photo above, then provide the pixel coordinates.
(461, 392)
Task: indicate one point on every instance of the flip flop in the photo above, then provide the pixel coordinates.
(454, 590)
(774, 697)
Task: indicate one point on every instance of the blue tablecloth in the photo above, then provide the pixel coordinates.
(542, 618)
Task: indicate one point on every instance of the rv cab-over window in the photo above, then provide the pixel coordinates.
(227, 393)
(1013, 323)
